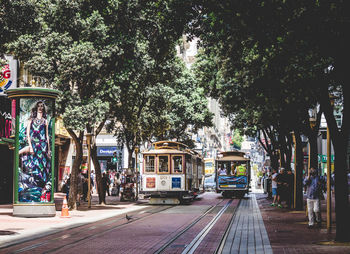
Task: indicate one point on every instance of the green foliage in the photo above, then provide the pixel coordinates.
(237, 139)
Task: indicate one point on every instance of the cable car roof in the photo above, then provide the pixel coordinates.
(165, 151)
(171, 147)
(232, 156)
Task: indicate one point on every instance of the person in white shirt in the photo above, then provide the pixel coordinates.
(274, 187)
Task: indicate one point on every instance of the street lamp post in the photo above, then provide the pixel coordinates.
(137, 177)
(329, 197)
(88, 141)
(295, 170)
(329, 190)
(312, 121)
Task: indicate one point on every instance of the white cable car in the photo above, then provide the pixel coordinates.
(172, 173)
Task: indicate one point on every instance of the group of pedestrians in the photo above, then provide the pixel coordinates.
(282, 184)
(111, 182)
(82, 184)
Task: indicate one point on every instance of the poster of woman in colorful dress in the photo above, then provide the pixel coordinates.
(34, 176)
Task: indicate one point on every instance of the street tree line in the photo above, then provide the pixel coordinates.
(114, 63)
(269, 63)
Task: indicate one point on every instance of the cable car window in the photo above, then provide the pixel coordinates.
(177, 164)
(150, 163)
(189, 164)
(163, 164)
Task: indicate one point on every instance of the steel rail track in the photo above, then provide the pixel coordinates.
(174, 238)
(134, 219)
(190, 249)
(221, 245)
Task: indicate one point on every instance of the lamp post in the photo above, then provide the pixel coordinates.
(295, 170)
(312, 121)
(137, 177)
(88, 141)
(329, 190)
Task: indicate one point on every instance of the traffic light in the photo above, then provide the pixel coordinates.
(114, 158)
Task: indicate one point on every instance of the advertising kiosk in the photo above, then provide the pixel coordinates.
(34, 151)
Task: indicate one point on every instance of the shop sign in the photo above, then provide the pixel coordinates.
(107, 150)
(323, 158)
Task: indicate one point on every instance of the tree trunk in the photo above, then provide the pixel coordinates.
(313, 150)
(299, 158)
(73, 188)
(339, 140)
(274, 160)
(98, 174)
(341, 194)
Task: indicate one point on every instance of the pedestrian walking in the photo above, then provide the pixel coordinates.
(85, 187)
(281, 187)
(274, 187)
(117, 183)
(313, 184)
(105, 183)
(66, 186)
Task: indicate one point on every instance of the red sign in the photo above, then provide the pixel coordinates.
(62, 172)
(150, 182)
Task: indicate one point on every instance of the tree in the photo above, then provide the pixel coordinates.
(286, 45)
(158, 106)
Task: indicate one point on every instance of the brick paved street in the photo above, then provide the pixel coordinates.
(104, 229)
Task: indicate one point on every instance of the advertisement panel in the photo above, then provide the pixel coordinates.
(8, 74)
(35, 146)
(6, 121)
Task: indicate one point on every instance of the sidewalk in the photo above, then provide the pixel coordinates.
(288, 231)
(17, 229)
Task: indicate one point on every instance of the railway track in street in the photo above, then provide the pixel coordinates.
(27, 246)
(194, 244)
(154, 229)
